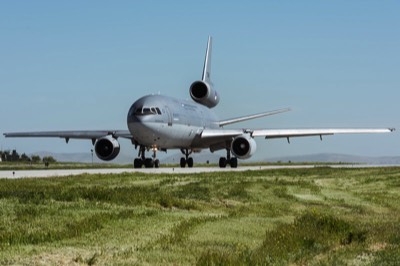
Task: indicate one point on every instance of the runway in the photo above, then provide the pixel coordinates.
(71, 172)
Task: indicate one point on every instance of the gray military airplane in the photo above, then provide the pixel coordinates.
(158, 123)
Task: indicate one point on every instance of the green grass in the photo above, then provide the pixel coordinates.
(319, 216)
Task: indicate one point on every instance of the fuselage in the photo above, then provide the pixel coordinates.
(163, 122)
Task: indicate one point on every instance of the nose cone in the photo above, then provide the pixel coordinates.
(136, 122)
(131, 114)
(144, 118)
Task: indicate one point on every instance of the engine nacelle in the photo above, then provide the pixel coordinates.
(243, 146)
(107, 148)
(203, 93)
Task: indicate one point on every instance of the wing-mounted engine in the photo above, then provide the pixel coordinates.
(107, 148)
(203, 93)
(243, 146)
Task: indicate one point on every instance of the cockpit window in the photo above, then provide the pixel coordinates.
(155, 110)
(147, 111)
(138, 110)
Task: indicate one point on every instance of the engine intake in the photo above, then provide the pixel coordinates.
(203, 93)
(243, 146)
(107, 148)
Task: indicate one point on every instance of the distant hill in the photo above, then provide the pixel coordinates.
(83, 157)
(337, 158)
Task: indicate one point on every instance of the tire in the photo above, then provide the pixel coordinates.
(222, 162)
(137, 163)
(148, 163)
(157, 163)
(190, 162)
(183, 162)
(234, 162)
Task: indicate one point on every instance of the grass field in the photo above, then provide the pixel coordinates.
(319, 216)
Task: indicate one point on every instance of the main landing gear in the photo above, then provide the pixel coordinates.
(187, 160)
(153, 162)
(232, 161)
(147, 162)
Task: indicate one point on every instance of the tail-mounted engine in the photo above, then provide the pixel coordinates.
(107, 148)
(203, 93)
(202, 90)
(243, 146)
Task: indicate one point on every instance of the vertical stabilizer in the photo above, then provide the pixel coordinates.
(207, 62)
(202, 91)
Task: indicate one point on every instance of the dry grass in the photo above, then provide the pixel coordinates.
(319, 216)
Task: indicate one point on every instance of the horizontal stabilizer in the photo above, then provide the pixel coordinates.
(249, 117)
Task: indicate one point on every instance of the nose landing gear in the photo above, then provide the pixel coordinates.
(187, 160)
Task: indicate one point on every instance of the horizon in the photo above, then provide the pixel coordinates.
(212, 158)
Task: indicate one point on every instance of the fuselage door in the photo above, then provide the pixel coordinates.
(169, 115)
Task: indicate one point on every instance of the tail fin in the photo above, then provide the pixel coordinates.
(202, 91)
(207, 63)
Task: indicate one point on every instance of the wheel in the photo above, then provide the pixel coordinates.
(148, 163)
(157, 163)
(234, 162)
(137, 163)
(183, 162)
(222, 162)
(190, 162)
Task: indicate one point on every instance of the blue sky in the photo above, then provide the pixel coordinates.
(67, 65)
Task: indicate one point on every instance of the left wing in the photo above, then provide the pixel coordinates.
(71, 134)
(288, 133)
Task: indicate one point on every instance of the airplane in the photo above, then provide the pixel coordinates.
(160, 123)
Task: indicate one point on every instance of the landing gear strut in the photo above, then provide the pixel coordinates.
(187, 160)
(232, 161)
(147, 162)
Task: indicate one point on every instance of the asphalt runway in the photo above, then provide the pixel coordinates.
(72, 172)
(178, 170)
